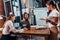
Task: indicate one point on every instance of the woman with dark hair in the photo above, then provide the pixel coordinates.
(25, 22)
(52, 19)
(8, 27)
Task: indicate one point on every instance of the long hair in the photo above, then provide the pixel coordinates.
(25, 14)
(57, 7)
(10, 16)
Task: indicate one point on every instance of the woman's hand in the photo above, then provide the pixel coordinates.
(46, 19)
(23, 20)
(25, 29)
(42, 19)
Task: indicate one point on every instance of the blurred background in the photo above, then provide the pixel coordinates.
(18, 7)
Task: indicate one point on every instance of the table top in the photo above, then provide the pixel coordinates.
(36, 32)
(33, 32)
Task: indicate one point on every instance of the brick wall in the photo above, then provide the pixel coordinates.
(1, 12)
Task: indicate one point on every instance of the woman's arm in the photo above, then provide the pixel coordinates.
(54, 22)
(55, 19)
(12, 28)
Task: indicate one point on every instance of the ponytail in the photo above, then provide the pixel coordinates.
(57, 7)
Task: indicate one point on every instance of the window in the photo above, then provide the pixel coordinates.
(39, 3)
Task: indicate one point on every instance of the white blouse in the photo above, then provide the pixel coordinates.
(8, 27)
(54, 13)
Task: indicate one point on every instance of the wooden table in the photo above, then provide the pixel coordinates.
(36, 32)
(44, 33)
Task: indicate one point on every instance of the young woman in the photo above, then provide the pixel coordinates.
(25, 22)
(8, 27)
(32, 17)
(52, 19)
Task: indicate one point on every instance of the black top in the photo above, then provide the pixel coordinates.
(25, 24)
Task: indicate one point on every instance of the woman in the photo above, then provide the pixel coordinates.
(25, 22)
(52, 19)
(32, 17)
(8, 27)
